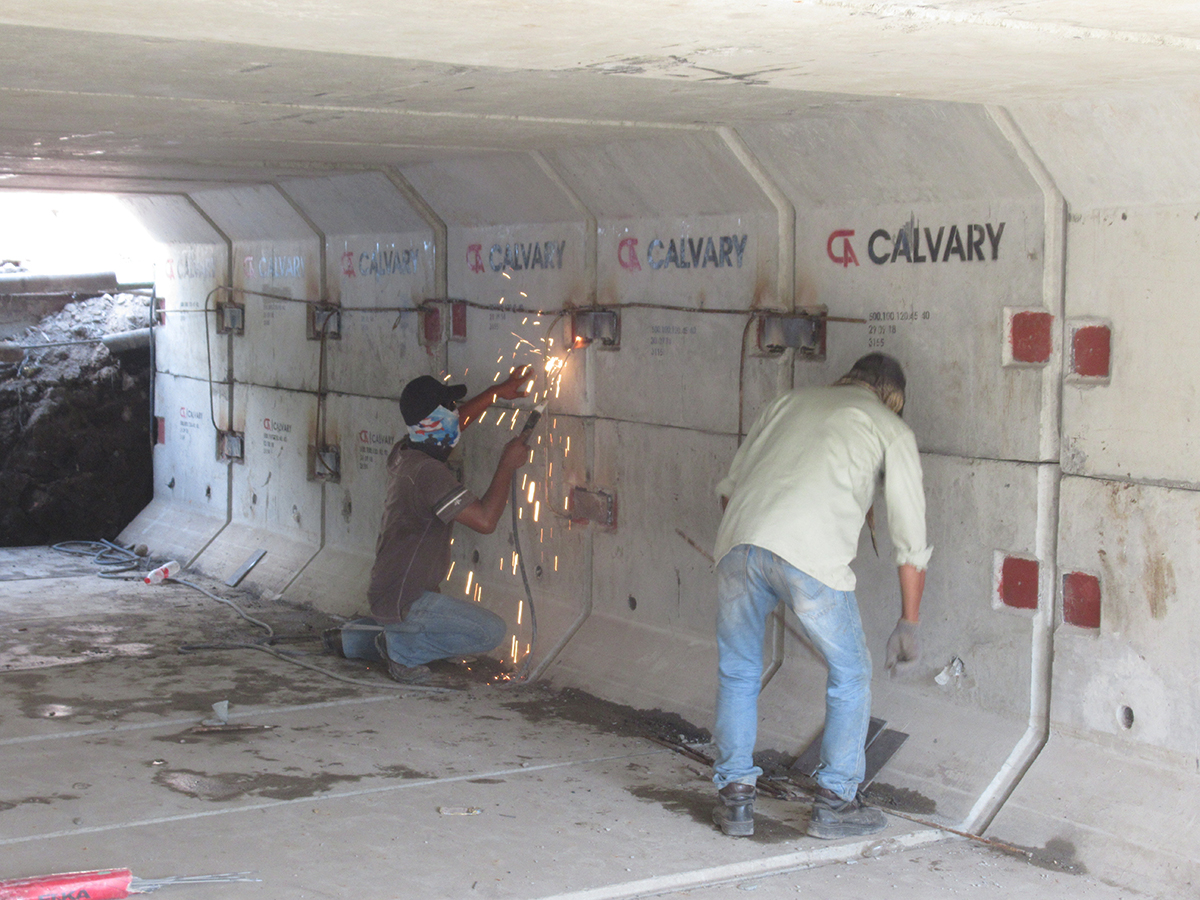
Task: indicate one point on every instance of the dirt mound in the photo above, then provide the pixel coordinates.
(75, 433)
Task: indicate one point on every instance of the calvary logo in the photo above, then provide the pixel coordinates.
(916, 244)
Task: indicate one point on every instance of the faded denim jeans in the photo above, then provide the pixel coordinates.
(436, 627)
(750, 582)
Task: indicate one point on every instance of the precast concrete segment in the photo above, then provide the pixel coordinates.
(432, 220)
(590, 250)
(785, 288)
(191, 486)
(1128, 683)
(1073, 804)
(1048, 499)
(379, 270)
(275, 506)
(490, 191)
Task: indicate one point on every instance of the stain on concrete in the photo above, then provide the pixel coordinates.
(45, 801)
(399, 771)
(225, 786)
(214, 735)
(543, 706)
(1159, 578)
(899, 799)
(698, 805)
(1059, 855)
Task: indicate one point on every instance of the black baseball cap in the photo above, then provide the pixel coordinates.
(424, 394)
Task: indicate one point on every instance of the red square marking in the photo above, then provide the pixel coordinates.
(458, 319)
(1031, 336)
(1081, 600)
(1091, 349)
(1019, 583)
(432, 317)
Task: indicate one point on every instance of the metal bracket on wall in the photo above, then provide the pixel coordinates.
(802, 332)
(231, 446)
(324, 322)
(593, 506)
(231, 318)
(325, 464)
(601, 327)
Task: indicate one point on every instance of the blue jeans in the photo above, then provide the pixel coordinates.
(436, 627)
(750, 582)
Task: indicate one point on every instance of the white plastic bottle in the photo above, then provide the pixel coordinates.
(163, 572)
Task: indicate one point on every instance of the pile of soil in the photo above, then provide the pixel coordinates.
(75, 432)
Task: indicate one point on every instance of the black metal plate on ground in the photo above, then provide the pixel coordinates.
(879, 751)
(809, 760)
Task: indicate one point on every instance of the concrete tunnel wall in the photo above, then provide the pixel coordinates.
(1060, 579)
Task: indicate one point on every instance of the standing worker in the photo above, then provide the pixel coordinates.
(411, 623)
(795, 500)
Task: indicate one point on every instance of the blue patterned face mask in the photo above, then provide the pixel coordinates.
(438, 429)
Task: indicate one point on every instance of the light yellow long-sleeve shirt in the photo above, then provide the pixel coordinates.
(802, 481)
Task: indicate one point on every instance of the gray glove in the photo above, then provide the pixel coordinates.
(903, 648)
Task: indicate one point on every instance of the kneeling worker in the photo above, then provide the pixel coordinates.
(411, 623)
(795, 500)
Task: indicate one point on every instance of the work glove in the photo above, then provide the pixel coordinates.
(903, 648)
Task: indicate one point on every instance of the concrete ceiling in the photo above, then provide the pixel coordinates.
(167, 94)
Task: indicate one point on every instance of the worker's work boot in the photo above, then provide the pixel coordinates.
(397, 672)
(734, 813)
(833, 817)
(407, 674)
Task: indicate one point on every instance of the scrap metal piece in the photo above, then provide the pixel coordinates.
(235, 579)
(880, 751)
(809, 760)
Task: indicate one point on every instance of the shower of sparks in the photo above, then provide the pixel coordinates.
(470, 578)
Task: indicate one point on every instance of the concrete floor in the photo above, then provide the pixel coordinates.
(327, 788)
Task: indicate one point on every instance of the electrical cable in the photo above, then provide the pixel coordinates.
(237, 609)
(390, 685)
(272, 637)
(523, 671)
(110, 557)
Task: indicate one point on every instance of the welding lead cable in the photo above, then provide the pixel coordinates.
(523, 671)
(241, 612)
(388, 685)
(111, 559)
